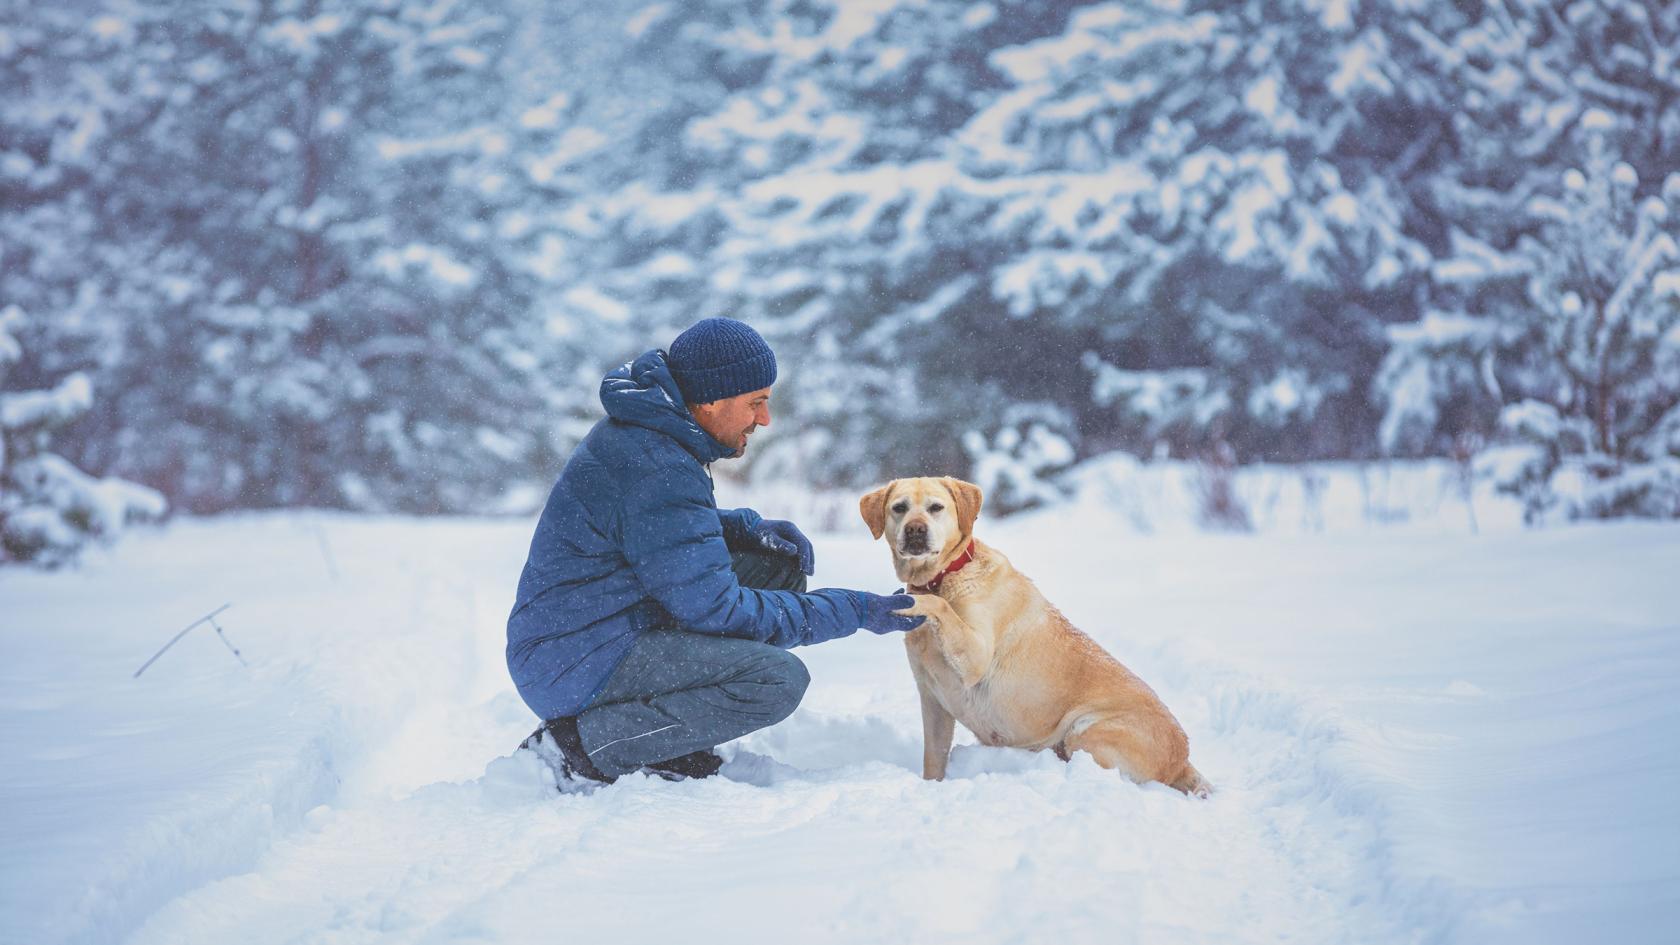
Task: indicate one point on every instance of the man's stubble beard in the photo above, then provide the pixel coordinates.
(741, 450)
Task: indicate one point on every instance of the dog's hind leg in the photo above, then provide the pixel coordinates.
(1140, 749)
(1190, 781)
(938, 728)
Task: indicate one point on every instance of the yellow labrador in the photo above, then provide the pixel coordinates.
(996, 656)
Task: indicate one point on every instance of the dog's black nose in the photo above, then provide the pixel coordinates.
(915, 537)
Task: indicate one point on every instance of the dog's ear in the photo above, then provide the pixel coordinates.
(967, 496)
(874, 509)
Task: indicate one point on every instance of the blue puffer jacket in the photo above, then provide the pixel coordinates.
(632, 540)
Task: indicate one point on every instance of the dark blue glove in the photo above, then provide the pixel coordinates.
(785, 538)
(878, 616)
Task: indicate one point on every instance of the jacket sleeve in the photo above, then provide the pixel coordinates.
(674, 540)
(737, 527)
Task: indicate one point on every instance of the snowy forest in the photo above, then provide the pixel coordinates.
(1318, 361)
(377, 255)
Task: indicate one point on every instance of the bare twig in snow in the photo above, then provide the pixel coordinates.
(209, 618)
(326, 550)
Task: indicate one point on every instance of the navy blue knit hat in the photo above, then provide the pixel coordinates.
(718, 358)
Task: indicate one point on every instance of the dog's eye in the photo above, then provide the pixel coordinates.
(936, 507)
(900, 508)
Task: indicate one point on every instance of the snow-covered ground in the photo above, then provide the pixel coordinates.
(1418, 735)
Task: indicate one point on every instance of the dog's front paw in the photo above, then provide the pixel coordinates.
(926, 605)
(957, 642)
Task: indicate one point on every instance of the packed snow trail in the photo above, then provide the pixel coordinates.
(1415, 738)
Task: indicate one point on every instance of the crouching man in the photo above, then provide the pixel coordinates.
(650, 626)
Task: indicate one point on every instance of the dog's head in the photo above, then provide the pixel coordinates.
(925, 521)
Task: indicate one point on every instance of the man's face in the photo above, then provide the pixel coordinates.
(731, 421)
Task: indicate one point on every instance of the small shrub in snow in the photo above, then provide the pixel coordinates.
(48, 508)
(1018, 461)
(1605, 293)
(1465, 447)
(1219, 508)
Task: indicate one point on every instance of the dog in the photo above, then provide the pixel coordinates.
(995, 655)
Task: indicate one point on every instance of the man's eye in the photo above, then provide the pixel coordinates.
(901, 507)
(936, 507)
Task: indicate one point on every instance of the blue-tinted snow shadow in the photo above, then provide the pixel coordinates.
(811, 747)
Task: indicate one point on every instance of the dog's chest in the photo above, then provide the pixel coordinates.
(990, 709)
(986, 717)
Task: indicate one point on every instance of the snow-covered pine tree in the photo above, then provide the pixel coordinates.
(1214, 197)
(59, 118)
(292, 247)
(49, 509)
(603, 93)
(454, 377)
(1553, 317)
(1087, 209)
(1600, 399)
(787, 99)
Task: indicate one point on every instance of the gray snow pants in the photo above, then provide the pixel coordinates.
(678, 692)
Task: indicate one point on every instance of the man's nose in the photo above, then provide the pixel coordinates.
(763, 417)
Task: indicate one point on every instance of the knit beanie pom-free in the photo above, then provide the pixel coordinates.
(719, 358)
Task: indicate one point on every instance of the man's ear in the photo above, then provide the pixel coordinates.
(967, 496)
(874, 509)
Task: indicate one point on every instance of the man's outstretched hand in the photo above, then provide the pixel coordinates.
(785, 538)
(880, 614)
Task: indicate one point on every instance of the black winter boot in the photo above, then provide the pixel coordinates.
(696, 764)
(557, 743)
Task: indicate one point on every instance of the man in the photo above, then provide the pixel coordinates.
(650, 626)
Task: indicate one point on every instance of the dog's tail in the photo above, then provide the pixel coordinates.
(1190, 781)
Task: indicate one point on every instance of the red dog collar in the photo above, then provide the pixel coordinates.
(952, 568)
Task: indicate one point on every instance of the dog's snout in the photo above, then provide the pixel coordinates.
(915, 538)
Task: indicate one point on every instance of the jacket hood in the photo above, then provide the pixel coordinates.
(643, 393)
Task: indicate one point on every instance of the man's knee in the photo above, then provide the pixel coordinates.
(764, 571)
(790, 679)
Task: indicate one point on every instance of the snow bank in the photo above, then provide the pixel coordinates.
(1169, 497)
(1416, 734)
